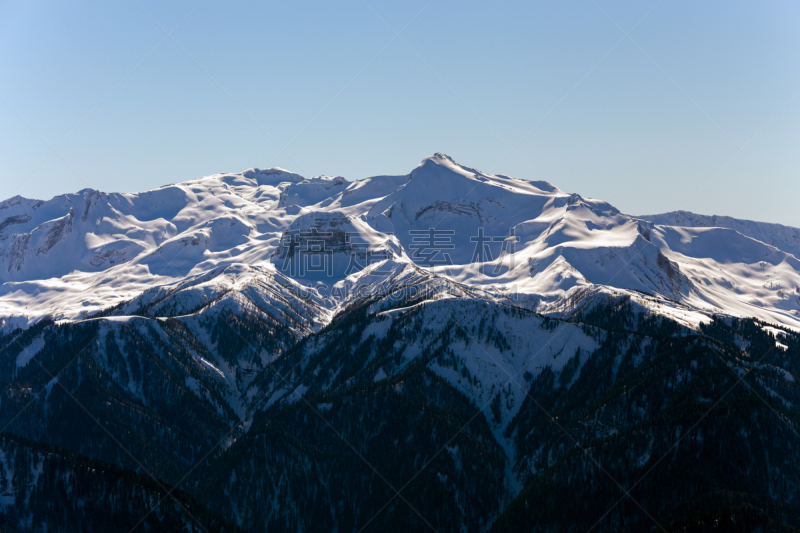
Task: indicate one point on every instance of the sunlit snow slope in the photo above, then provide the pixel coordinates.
(179, 247)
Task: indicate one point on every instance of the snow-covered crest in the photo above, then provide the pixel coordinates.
(73, 255)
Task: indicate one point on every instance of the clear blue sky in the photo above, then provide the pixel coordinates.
(693, 110)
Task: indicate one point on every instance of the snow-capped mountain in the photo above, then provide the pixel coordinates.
(75, 255)
(445, 349)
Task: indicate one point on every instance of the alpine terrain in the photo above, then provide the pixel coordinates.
(446, 350)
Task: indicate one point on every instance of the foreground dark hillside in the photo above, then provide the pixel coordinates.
(698, 435)
(448, 415)
(55, 490)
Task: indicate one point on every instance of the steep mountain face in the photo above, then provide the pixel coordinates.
(446, 350)
(94, 386)
(673, 433)
(398, 385)
(173, 385)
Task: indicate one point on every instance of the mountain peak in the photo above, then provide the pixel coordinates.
(440, 166)
(433, 167)
(439, 156)
(443, 160)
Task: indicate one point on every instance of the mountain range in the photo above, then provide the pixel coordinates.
(448, 350)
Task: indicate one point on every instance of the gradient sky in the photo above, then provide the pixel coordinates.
(695, 109)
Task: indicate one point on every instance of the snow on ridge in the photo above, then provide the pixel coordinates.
(73, 255)
(271, 174)
(783, 237)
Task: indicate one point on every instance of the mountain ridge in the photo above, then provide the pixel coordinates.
(316, 366)
(74, 255)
